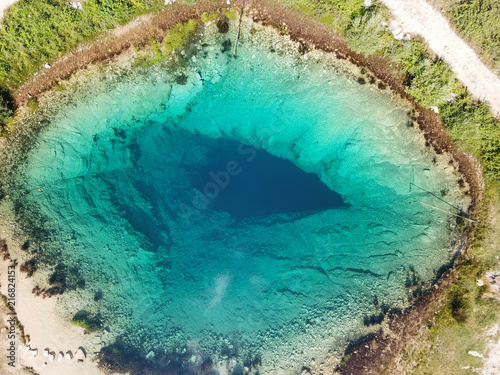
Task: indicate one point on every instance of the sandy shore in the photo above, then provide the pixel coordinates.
(44, 328)
(418, 17)
(52, 345)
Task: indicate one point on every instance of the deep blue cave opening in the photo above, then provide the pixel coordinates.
(249, 182)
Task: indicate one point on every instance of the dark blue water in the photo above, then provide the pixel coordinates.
(246, 182)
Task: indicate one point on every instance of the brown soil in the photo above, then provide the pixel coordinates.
(368, 357)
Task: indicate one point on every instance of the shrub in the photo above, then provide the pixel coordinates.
(459, 305)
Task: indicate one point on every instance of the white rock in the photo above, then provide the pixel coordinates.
(435, 109)
(493, 277)
(68, 355)
(150, 355)
(480, 283)
(34, 352)
(228, 2)
(60, 356)
(398, 34)
(368, 3)
(51, 356)
(452, 97)
(45, 352)
(44, 364)
(47, 66)
(80, 354)
(28, 348)
(475, 354)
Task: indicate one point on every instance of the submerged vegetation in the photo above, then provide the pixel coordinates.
(89, 322)
(175, 39)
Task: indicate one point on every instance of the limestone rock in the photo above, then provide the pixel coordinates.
(68, 355)
(60, 356)
(475, 354)
(75, 5)
(493, 278)
(80, 354)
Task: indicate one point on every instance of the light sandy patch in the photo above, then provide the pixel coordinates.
(4, 4)
(491, 364)
(418, 17)
(44, 326)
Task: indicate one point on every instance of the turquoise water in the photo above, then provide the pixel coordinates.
(232, 208)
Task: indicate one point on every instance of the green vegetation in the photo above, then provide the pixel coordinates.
(38, 31)
(473, 126)
(179, 36)
(175, 39)
(337, 13)
(35, 32)
(478, 22)
(90, 323)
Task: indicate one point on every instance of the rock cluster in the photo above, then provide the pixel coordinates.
(493, 278)
(51, 356)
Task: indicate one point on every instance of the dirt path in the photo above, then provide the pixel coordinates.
(418, 17)
(4, 4)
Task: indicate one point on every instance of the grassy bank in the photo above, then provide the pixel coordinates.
(36, 32)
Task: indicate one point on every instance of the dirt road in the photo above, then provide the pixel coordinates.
(418, 17)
